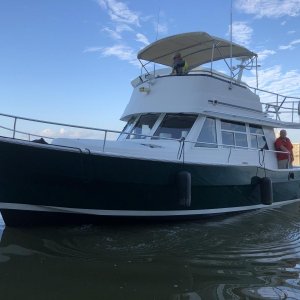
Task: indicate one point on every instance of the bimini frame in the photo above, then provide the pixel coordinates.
(198, 48)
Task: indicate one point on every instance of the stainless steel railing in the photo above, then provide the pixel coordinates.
(182, 141)
(278, 105)
(104, 131)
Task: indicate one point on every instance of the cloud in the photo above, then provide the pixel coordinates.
(116, 33)
(275, 80)
(113, 33)
(269, 8)
(141, 38)
(291, 32)
(241, 33)
(120, 51)
(160, 24)
(92, 49)
(161, 28)
(123, 20)
(262, 55)
(123, 27)
(75, 133)
(119, 12)
(290, 46)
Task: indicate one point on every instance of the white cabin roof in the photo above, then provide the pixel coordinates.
(196, 48)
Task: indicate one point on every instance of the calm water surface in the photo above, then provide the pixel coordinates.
(250, 256)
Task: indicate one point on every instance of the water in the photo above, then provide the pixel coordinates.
(254, 255)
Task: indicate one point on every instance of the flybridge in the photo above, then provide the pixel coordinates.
(198, 48)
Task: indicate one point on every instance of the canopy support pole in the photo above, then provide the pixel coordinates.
(256, 72)
(212, 58)
(143, 67)
(228, 66)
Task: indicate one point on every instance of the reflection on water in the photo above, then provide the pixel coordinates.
(249, 256)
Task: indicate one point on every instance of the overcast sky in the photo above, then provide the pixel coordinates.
(73, 60)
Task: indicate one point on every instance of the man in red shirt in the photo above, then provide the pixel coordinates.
(284, 144)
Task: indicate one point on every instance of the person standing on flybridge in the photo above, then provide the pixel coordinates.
(284, 144)
(178, 64)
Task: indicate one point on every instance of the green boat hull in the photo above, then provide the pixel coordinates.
(44, 182)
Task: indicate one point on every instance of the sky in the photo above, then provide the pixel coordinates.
(72, 61)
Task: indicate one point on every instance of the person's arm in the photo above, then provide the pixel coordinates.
(284, 149)
(279, 146)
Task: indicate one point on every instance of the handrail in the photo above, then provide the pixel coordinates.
(119, 132)
(81, 127)
(26, 133)
(57, 123)
(105, 131)
(182, 141)
(273, 93)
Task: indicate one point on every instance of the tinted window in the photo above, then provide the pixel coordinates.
(208, 136)
(241, 140)
(258, 139)
(254, 141)
(234, 134)
(256, 129)
(175, 126)
(261, 141)
(127, 127)
(228, 138)
(233, 126)
(143, 126)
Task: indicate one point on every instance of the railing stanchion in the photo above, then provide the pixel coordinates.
(15, 124)
(105, 133)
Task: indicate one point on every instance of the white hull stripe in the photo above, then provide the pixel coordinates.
(137, 213)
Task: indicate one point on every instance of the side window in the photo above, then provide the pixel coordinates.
(234, 134)
(143, 126)
(175, 126)
(257, 137)
(208, 134)
(127, 127)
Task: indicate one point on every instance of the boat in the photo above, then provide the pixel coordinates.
(195, 145)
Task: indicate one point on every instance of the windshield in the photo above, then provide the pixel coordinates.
(175, 126)
(143, 126)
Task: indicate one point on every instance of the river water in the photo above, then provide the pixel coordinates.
(253, 255)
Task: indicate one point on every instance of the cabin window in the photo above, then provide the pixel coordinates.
(208, 134)
(175, 126)
(127, 127)
(257, 137)
(234, 134)
(143, 126)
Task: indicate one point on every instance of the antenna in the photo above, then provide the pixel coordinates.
(157, 24)
(231, 74)
(156, 37)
